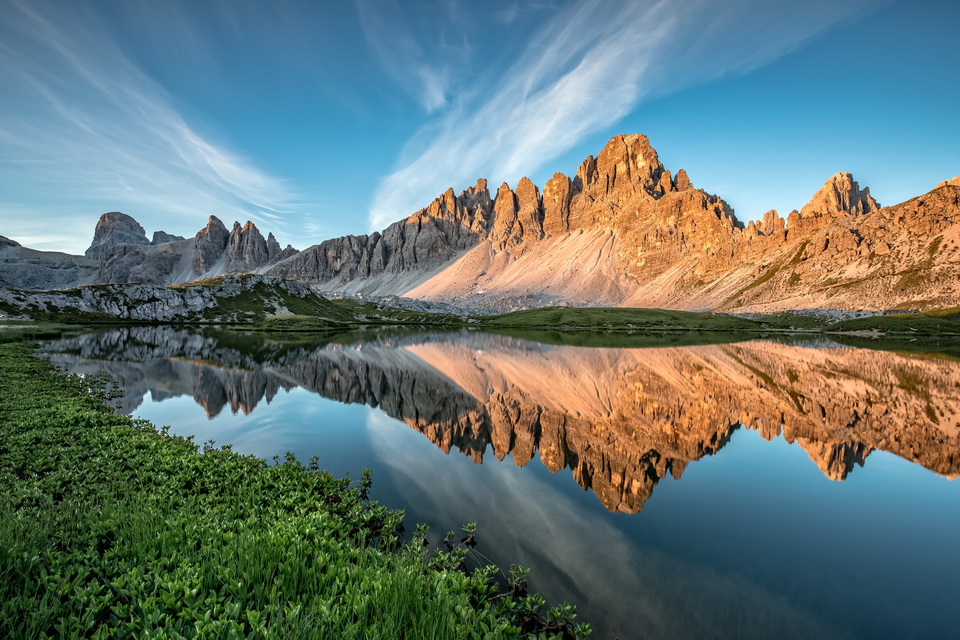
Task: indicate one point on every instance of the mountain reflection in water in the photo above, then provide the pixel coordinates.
(619, 419)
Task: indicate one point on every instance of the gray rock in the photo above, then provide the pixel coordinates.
(112, 229)
(211, 241)
(425, 240)
(246, 249)
(140, 301)
(162, 237)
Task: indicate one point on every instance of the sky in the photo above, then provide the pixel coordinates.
(320, 119)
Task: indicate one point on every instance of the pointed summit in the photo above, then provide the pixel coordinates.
(210, 243)
(246, 249)
(840, 194)
(626, 164)
(955, 181)
(112, 229)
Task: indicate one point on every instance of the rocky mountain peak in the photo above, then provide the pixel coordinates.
(627, 164)
(503, 234)
(112, 229)
(839, 195)
(470, 210)
(955, 181)
(772, 223)
(162, 237)
(247, 250)
(476, 200)
(682, 181)
(529, 211)
(557, 194)
(214, 227)
(210, 244)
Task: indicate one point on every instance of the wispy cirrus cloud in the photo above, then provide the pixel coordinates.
(82, 121)
(583, 70)
(392, 40)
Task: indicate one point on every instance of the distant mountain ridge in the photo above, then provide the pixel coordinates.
(624, 231)
(121, 252)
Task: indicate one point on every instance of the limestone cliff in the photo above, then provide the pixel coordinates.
(24, 268)
(113, 229)
(403, 252)
(263, 296)
(120, 252)
(625, 231)
(170, 259)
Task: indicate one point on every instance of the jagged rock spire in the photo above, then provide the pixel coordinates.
(838, 195)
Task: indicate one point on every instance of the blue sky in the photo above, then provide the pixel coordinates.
(320, 119)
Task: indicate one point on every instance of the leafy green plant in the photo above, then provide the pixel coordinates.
(114, 529)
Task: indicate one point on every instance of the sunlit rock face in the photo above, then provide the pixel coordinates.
(620, 419)
(625, 231)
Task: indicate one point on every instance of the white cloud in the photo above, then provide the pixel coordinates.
(392, 40)
(582, 71)
(82, 121)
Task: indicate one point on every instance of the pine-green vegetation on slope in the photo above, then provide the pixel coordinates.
(113, 529)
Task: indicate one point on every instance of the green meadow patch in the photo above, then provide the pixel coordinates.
(113, 529)
(943, 321)
(619, 319)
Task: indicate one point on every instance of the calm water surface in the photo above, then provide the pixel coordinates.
(749, 490)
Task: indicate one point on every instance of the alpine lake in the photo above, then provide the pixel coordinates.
(670, 486)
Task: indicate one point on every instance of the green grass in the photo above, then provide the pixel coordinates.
(112, 529)
(254, 305)
(618, 319)
(943, 321)
(21, 331)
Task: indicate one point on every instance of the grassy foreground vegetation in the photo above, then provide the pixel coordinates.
(113, 529)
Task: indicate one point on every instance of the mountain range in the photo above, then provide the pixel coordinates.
(624, 231)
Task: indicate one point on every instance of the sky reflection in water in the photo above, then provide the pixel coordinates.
(754, 542)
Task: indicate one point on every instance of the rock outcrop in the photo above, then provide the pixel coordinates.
(840, 195)
(24, 268)
(162, 237)
(211, 242)
(113, 229)
(152, 303)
